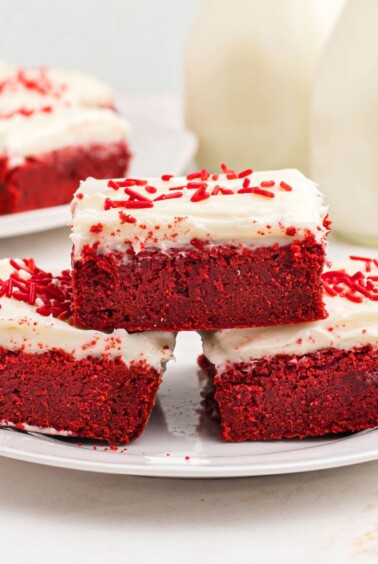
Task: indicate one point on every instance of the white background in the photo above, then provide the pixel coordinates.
(135, 45)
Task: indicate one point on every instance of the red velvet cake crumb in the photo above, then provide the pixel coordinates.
(328, 391)
(203, 287)
(92, 398)
(50, 179)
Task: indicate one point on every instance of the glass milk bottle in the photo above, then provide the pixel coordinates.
(248, 76)
(344, 123)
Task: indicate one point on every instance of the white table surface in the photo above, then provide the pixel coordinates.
(52, 516)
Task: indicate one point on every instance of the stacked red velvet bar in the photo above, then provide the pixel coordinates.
(301, 380)
(201, 252)
(58, 379)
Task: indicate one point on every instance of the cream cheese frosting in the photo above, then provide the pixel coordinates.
(39, 133)
(237, 218)
(22, 328)
(47, 109)
(349, 324)
(33, 89)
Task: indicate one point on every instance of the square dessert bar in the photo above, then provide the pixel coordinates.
(302, 380)
(198, 252)
(56, 128)
(58, 379)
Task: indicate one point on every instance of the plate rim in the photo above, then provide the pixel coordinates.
(160, 466)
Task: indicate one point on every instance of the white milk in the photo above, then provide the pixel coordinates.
(344, 123)
(248, 76)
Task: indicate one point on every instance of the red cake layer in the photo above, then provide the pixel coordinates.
(329, 391)
(204, 287)
(51, 179)
(91, 398)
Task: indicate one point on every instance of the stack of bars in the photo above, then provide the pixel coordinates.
(239, 257)
(288, 349)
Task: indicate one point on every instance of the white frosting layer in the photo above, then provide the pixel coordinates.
(238, 218)
(348, 325)
(21, 136)
(21, 327)
(57, 87)
(43, 110)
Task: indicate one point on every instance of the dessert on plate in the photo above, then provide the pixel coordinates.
(58, 379)
(205, 251)
(301, 380)
(57, 127)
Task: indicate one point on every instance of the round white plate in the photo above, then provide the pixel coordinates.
(180, 442)
(157, 148)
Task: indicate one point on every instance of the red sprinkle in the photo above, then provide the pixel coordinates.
(285, 186)
(261, 192)
(224, 191)
(166, 177)
(368, 261)
(225, 169)
(330, 291)
(205, 174)
(245, 190)
(194, 175)
(130, 204)
(245, 173)
(364, 259)
(151, 189)
(176, 188)
(195, 185)
(353, 298)
(132, 182)
(169, 196)
(267, 184)
(138, 204)
(200, 194)
(135, 195)
(114, 185)
(109, 204)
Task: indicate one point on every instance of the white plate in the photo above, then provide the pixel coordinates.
(180, 442)
(157, 148)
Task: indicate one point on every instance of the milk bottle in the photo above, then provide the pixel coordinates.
(248, 77)
(344, 123)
